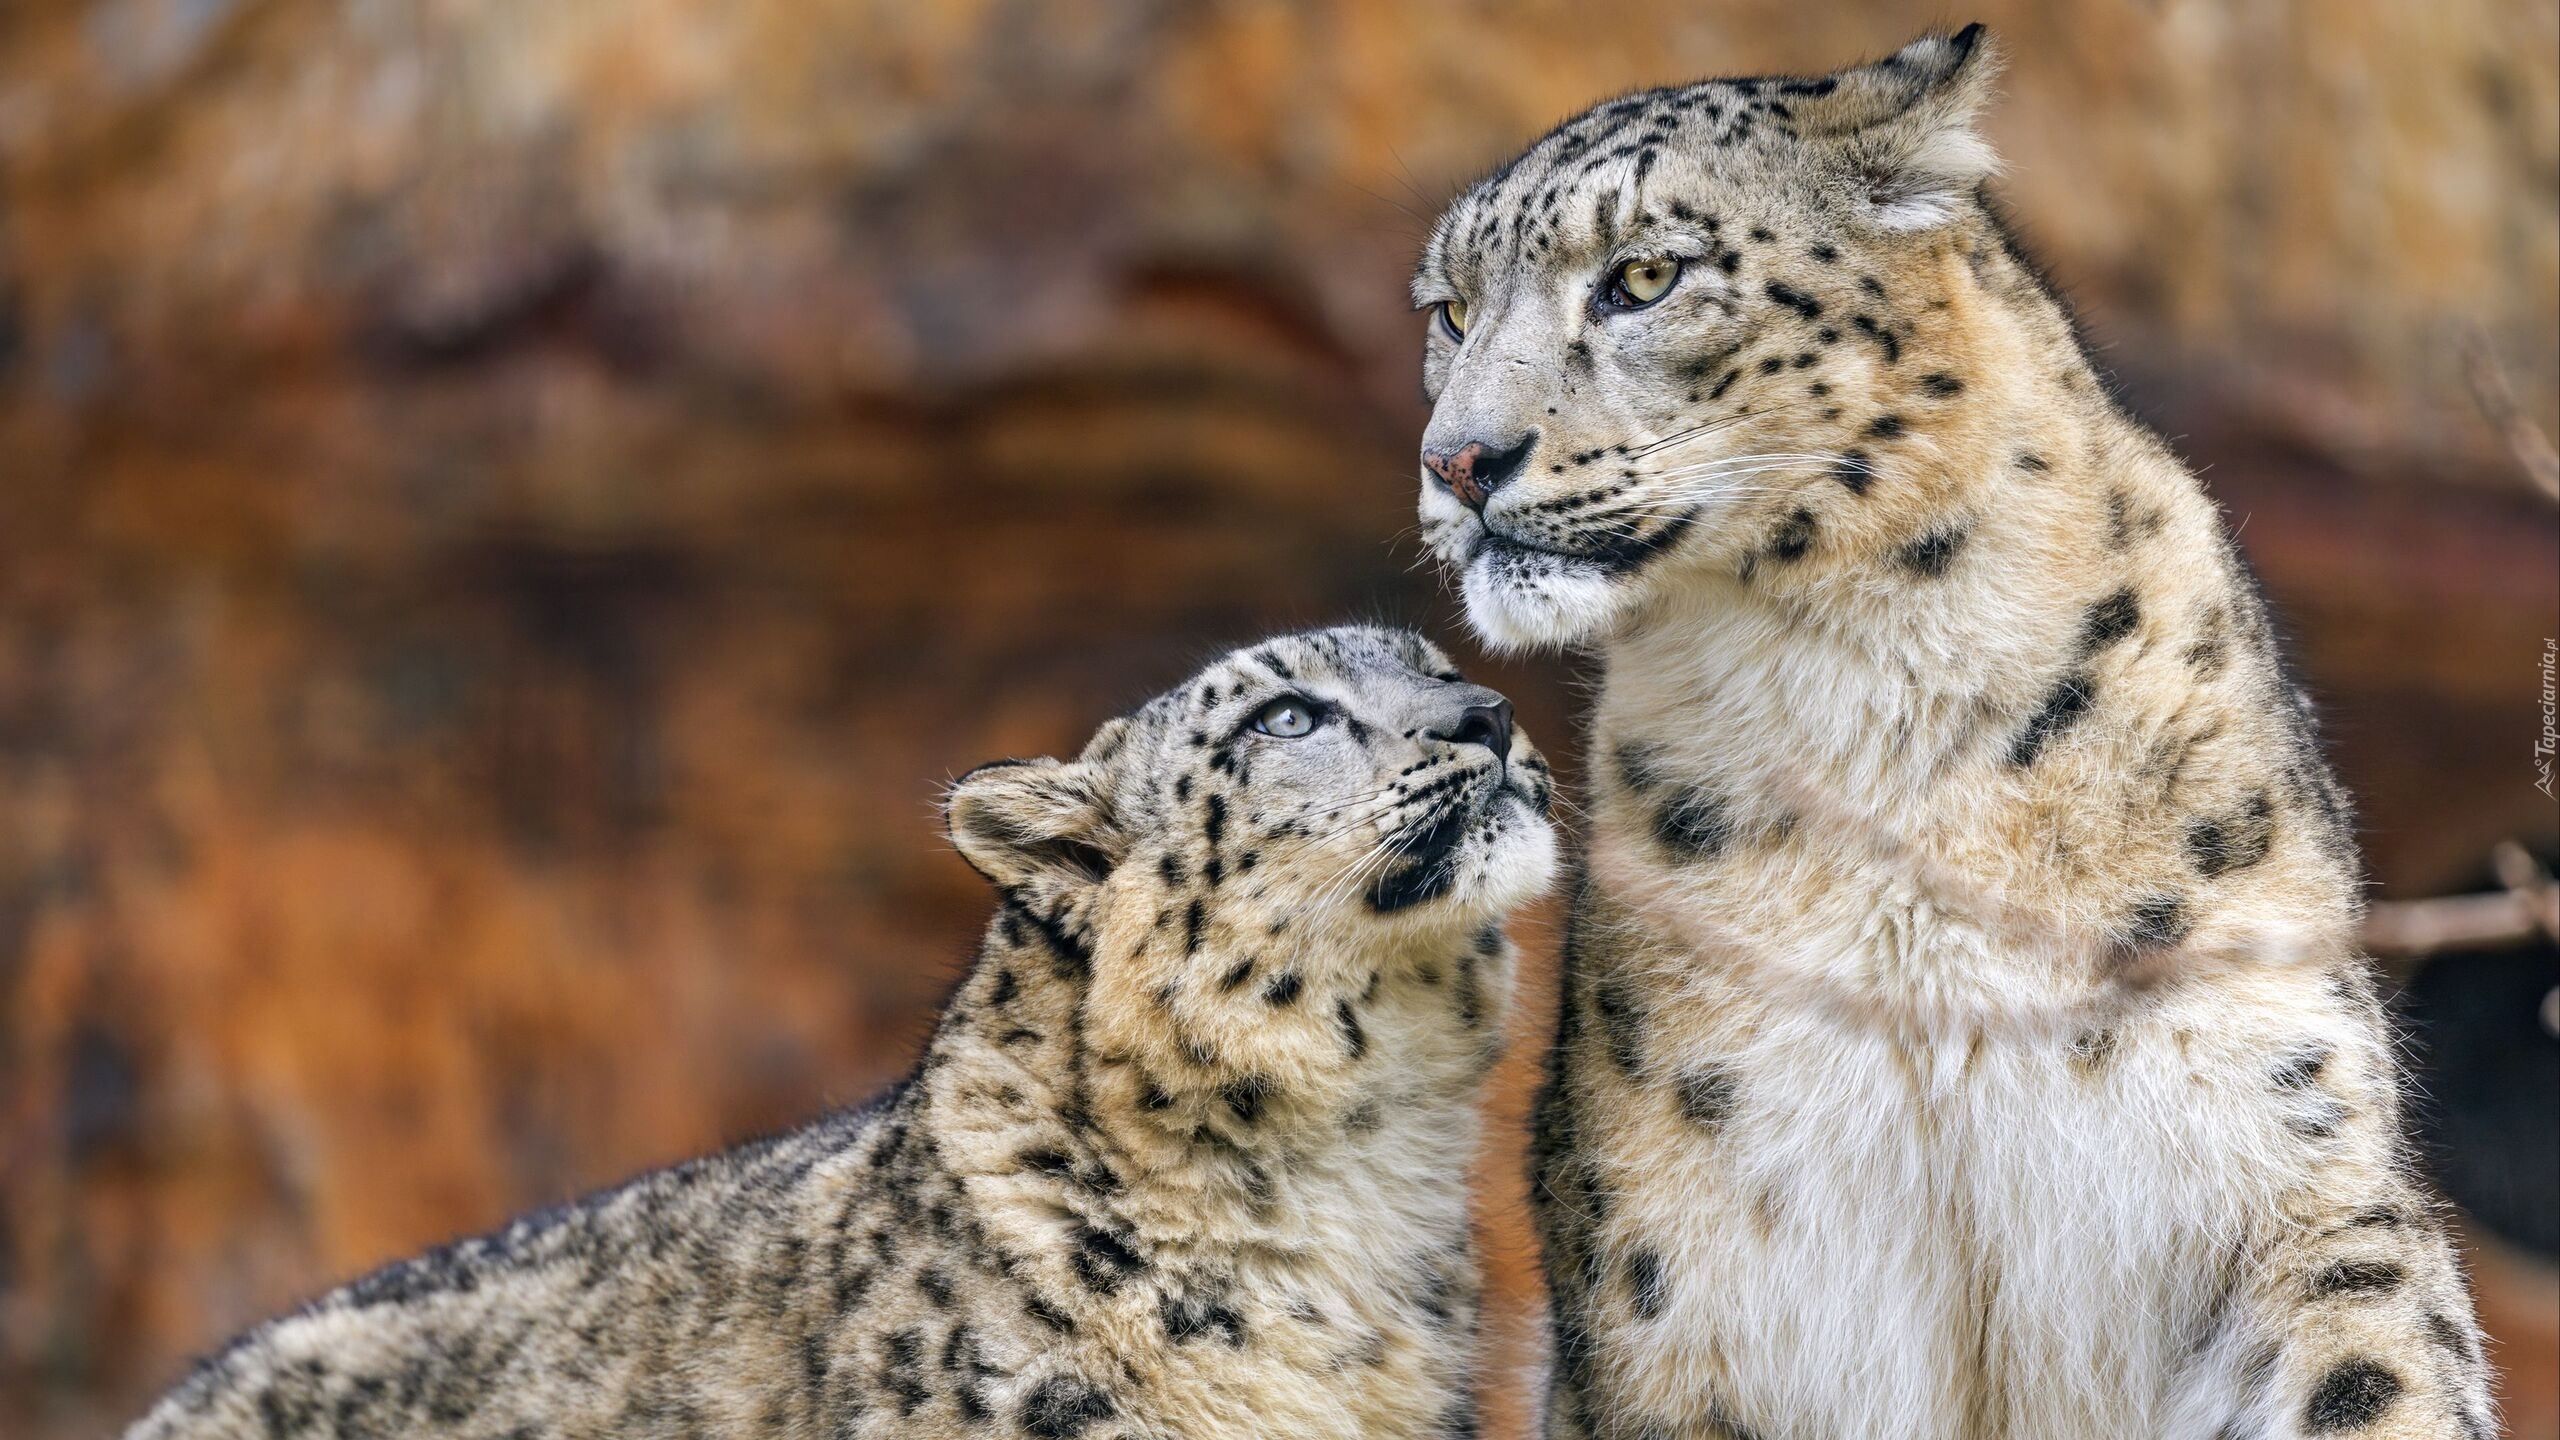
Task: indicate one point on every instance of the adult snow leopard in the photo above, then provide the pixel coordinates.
(1964, 1033)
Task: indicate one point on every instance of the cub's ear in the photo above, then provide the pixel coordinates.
(1902, 128)
(1108, 742)
(1033, 825)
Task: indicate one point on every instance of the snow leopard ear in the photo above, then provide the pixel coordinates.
(1034, 827)
(1902, 129)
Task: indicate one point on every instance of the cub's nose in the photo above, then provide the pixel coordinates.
(1483, 718)
(1476, 469)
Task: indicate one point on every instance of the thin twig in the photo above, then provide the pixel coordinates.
(2525, 878)
(2415, 931)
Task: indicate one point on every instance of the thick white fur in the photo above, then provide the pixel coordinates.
(1956, 1198)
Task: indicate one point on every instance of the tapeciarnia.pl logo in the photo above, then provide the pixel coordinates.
(2549, 739)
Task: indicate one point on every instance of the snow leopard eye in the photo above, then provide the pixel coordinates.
(1453, 318)
(1639, 283)
(1288, 717)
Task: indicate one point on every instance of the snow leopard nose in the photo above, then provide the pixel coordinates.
(1484, 720)
(1475, 469)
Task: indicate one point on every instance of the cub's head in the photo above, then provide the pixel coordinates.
(1705, 325)
(1343, 783)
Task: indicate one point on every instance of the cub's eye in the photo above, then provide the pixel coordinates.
(1639, 283)
(1288, 717)
(1453, 318)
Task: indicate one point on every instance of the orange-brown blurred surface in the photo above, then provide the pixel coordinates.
(509, 512)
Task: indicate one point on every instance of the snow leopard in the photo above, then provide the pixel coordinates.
(1963, 1032)
(1185, 1157)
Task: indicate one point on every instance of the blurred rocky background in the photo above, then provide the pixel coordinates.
(510, 511)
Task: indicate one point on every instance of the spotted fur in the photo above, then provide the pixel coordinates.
(1963, 1032)
(1185, 1156)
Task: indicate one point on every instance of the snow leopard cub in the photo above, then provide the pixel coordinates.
(1185, 1157)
